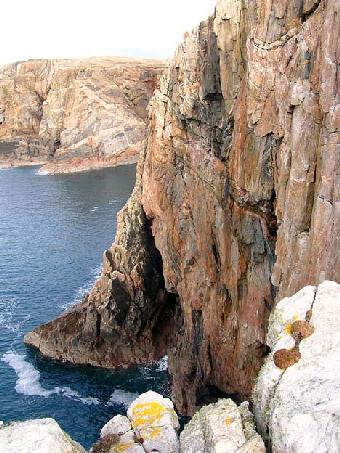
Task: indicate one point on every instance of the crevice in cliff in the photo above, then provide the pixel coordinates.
(166, 314)
(307, 14)
(98, 324)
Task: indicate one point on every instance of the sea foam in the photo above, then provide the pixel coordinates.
(8, 314)
(28, 380)
(162, 365)
(120, 397)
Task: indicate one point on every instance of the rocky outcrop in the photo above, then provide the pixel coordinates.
(129, 316)
(75, 114)
(222, 427)
(36, 436)
(297, 406)
(237, 197)
(151, 426)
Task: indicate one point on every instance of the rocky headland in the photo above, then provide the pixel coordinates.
(236, 204)
(295, 399)
(74, 115)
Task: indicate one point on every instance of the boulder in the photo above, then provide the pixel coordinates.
(117, 436)
(222, 427)
(36, 436)
(298, 407)
(155, 423)
(118, 425)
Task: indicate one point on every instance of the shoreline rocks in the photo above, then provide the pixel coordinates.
(75, 115)
(151, 426)
(36, 436)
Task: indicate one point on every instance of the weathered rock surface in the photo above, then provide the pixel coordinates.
(152, 426)
(76, 114)
(298, 408)
(236, 206)
(118, 436)
(125, 318)
(154, 420)
(36, 436)
(222, 427)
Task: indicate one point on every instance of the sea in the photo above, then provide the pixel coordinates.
(53, 232)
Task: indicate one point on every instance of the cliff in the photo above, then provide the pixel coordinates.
(236, 204)
(75, 114)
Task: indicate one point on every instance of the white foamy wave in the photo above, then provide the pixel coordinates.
(83, 290)
(162, 365)
(94, 209)
(121, 397)
(8, 314)
(72, 394)
(28, 382)
(41, 173)
(114, 201)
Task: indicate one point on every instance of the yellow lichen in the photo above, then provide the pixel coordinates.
(121, 447)
(288, 328)
(155, 432)
(147, 413)
(228, 420)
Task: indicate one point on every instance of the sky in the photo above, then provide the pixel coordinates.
(84, 28)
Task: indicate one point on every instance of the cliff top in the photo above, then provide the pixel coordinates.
(91, 62)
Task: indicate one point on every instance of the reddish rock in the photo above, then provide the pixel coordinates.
(239, 193)
(301, 330)
(75, 114)
(284, 358)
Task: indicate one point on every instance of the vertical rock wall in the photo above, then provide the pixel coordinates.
(240, 187)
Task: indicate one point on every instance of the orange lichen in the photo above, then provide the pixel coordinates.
(284, 358)
(154, 432)
(301, 330)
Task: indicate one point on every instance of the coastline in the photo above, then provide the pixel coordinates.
(4, 165)
(70, 166)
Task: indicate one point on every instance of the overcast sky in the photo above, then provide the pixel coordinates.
(83, 28)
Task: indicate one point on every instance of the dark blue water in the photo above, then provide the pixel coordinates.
(53, 231)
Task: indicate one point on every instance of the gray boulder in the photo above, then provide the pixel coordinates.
(222, 427)
(36, 436)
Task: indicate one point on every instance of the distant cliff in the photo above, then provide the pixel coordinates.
(75, 114)
(236, 204)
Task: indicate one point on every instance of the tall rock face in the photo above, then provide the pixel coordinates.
(77, 114)
(238, 195)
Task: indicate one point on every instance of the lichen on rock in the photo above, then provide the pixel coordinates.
(222, 427)
(297, 409)
(155, 422)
